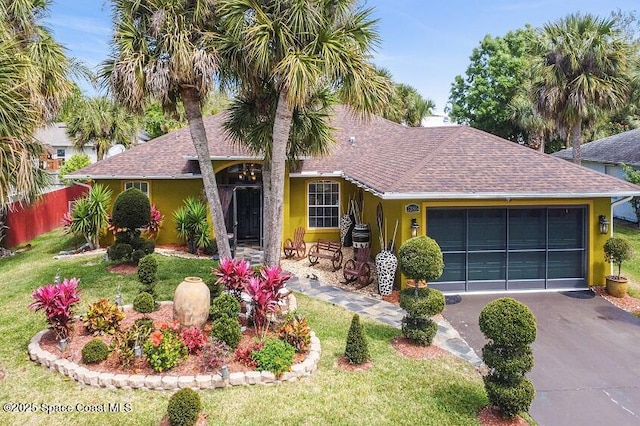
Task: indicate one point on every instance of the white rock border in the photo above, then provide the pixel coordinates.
(98, 379)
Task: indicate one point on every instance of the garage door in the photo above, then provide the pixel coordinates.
(494, 249)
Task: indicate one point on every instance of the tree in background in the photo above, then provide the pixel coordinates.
(406, 105)
(164, 50)
(75, 162)
(296, 50)
(632, 175)
(582, 70)
(103, 123)
(497, 72)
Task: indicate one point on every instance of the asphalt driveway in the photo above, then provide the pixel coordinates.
(587, 356)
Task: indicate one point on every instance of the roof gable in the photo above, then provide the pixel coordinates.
(621, 148)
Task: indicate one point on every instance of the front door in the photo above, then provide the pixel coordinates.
(249, 206)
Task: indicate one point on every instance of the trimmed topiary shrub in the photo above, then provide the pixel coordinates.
(215, 289)
(357, 350)
(144, 303)
(148, 270)
(420, 259)
(276, 356)
(510, 327)
(131, 210)
(419, 330)
(225, 305)
(137, 255)
(138, 243)
(508, 322)
(120, 251)
(422, 302)
(94, 351)
(227, 330)
(184, 407)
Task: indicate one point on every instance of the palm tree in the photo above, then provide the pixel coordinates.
(164, 50)
(100, 121)
(298, 49)
(582, 71)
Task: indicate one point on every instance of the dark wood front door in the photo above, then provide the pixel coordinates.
(249, 204)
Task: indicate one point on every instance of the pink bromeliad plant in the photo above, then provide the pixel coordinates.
(57, 302)
(234, 274)
(265, 292)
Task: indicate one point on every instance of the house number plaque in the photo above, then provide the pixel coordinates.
(412, 208)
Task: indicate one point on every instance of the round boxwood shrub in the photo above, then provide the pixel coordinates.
(94, 351)
(137, 255)
(422, 302)
(227, 330)
(357, 350)
(149, 246)
(419, 330)
(131, 209)
(276, 356)
(507, 365)
(120, 251)
(144, 303)
(225, 305)
(148, 270)
(123, 237)
(184, 407)
(420, 258)
(510, 399)
(508, 322)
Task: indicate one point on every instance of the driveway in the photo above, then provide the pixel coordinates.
(587, 356)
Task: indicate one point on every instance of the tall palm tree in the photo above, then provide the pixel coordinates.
(100, 121)
(164, 50)
(582, 71)
(297, 49)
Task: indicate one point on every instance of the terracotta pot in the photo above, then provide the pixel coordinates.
(191, 302)
(616, 287)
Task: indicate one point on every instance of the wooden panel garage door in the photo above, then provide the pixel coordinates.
(502, 249)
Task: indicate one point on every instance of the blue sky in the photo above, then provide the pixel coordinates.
(424, 44)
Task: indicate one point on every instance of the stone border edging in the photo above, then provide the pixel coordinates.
(99, 379)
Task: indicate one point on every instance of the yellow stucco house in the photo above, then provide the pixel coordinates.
(506, 217)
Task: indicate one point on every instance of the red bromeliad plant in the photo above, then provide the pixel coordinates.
(234, 274)
(155, 222)
(265, 294)
(57, 301)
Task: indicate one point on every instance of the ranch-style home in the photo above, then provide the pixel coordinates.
(506, 217)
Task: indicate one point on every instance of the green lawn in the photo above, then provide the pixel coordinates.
(395, 391)
(631, 268)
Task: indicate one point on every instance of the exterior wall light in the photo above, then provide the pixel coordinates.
(414, 227)
(603, 224)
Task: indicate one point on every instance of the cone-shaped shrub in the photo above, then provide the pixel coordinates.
(357, 350)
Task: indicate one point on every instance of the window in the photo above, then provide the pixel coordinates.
(324, 204)
(60, 153)
(142, 186)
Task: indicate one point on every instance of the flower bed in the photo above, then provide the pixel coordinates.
(108, 374)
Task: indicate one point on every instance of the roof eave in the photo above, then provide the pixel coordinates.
(502, 195)
(137, 177)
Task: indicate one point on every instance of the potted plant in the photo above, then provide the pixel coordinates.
(617, 250)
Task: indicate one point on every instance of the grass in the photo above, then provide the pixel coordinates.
(631, 268)
(396, 390)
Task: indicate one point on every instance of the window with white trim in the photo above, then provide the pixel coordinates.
(142, 186)
(324, 204)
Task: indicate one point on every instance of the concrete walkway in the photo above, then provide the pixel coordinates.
(447, 338)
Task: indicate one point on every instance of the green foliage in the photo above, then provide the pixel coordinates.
(224, 306)
(138, 243)
(75, 162)
(184, 407)
(419, 330)
(94, 351)
(144, 303)
(103, 317)
(357, 349)
(148, 275)
(164, 349)
(617, 250)
(276, 356)
(426, 303)
(137, 255)
(131, 210)
(406, 105)
(511, 400)
(211, 248)
(296, 332)
(146, 323)
(632, 175)
(215, 289)
(227, 330)
(507, 322)
(192, 225)
(420, 258)
(89, 216)
(123, 343)
(214, 355)
(120, 251)
(508, 365)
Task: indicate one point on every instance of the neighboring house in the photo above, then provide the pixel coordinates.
(507, 218)
(60, 146)
(437, 120)
(606, 155)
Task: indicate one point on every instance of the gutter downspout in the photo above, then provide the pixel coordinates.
(613, 204)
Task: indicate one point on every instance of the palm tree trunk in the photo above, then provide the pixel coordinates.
(191, 101)
(576, 140)
(274, 193)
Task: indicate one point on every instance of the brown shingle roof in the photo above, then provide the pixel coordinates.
(391, 160)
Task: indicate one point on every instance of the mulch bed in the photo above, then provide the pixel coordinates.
(344, 364)
(122, 268)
